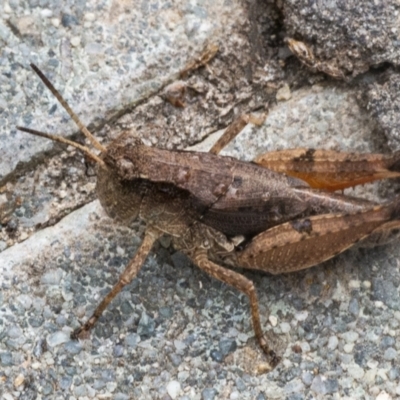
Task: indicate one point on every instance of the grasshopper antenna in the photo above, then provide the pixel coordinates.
(67, 108)
(61, 139)
(78, 122)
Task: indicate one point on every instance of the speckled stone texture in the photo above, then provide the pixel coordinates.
(175, 333)
(352, 34)
(354, 37)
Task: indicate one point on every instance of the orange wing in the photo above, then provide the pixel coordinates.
(332, 170)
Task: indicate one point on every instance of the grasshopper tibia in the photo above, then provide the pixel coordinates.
(245, 286)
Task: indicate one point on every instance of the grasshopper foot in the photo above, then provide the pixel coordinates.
(83, 331)
(273, 358)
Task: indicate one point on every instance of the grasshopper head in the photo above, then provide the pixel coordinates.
(123, 155)
(120, 198)
(119, 188)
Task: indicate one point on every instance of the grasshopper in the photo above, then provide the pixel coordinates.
(276, 215)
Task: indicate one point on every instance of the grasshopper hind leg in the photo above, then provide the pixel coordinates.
(245, 286)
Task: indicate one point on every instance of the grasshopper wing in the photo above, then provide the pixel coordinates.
(332, 170)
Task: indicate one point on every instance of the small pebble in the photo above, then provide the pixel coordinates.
(46, 13)
(354, 307)
(318, 385)
(283, 93)
(294, 386)
(65, 382)
(301, 316)
(73, 347)
(183, 376)
(216, 356)
(348, 347)
(227, 346)
(52, 277)
(369, 376)
(179, 345)
(355, 371)
(387, 341)
(366, 284)
(305, 347)
(132, 339)
(393, 374)
(354, 284)
(36, 365)
(307, 378)
(173, 389)
(208, 394)
(80, 390)
(333, 343)
(235, 395)
(19, 380)
(57, 338)
(240, 384)
(390, 354)
(121, 396)
(14, 332)
(6, 8)
(68, 20)
(61, 320)
(75, 41)
(146, 325)
(23, 236)
(175, 359)
(111, 386)
(285, 327)
(273, 320)
(118, 351)
(383, 396)
(89, 17)
(350, 337)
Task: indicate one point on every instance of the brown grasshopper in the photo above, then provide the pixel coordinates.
(220, 211)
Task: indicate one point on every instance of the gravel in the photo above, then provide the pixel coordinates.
(175, 333)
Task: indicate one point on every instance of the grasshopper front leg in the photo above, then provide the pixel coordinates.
(125, 278)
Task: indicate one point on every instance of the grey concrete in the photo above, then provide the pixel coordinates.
(174, 333)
